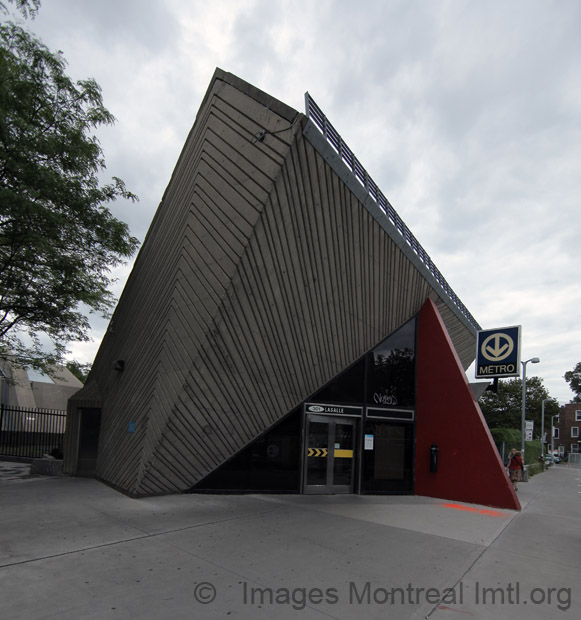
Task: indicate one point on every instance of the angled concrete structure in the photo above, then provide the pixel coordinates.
(272, 266)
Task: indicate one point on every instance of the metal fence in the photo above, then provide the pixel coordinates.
(575, 460)
(315, 114)
(30, 433)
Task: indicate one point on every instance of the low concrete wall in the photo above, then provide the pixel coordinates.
(47, 467)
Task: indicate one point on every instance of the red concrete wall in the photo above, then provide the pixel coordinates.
(469, 466)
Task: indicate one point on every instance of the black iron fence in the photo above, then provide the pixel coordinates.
(315, 114)
(30, 433)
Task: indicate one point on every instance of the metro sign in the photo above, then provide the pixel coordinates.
(498, 353)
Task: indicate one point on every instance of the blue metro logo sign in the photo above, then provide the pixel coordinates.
(498, 352)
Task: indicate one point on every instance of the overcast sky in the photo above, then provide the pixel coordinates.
(467, 115)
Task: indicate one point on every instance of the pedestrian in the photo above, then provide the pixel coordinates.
(515, 467)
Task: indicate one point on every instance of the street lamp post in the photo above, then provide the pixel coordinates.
(543, 429)
(534, 360)
(553, 434)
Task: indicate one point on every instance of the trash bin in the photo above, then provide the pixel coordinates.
(525, 474)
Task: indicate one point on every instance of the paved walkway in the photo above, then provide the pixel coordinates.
(73, 548)
(14, 471)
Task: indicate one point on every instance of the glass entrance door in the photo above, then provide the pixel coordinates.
(387, 460)
(329, 454)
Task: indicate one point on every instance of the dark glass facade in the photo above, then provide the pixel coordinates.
(270, 463)
(346, 388)
(391, 370)
(381, 384)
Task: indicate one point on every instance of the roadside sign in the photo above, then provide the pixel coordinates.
(498, 352)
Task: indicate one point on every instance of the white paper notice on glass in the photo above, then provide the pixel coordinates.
(369, 442)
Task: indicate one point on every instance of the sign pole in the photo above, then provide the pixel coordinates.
(543, 429)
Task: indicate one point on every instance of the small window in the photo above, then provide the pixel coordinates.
(37, 376)
(556, 433)
(575, 448)
(574, 431)
(578, 415)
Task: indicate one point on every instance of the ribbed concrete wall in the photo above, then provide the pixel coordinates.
(263, 275)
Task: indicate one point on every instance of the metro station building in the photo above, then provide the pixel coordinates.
(282, 331)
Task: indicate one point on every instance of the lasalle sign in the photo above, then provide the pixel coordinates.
(498, 353)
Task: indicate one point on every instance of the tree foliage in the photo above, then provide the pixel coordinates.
(29, 8)
(504, 409)
(80, 370)
(512, 438)
(573, 378)
(58, 239)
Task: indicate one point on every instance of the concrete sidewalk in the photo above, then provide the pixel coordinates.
(73, 548)
(17, 469)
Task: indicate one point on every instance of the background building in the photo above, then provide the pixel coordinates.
(32, 389)
(566, 430)
(32, 415)
(282, 330)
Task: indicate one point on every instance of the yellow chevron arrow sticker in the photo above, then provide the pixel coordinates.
(317, 452)
(343, 454)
